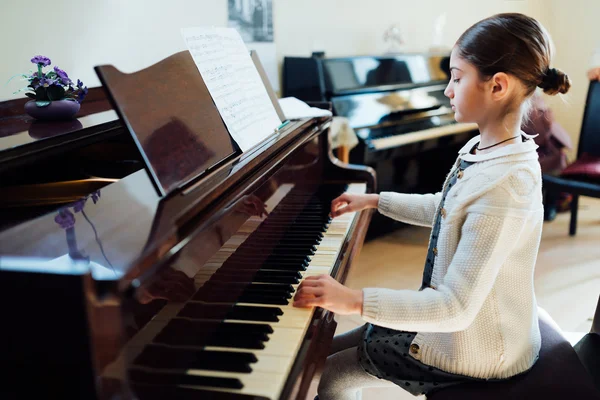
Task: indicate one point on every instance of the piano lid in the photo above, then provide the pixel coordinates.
(365, 74)
(172, 118)
(374, 109)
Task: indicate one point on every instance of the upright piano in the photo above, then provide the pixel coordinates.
(174, 278)
(396, 105)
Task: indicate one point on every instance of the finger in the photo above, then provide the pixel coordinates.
(307, 302)
(336, 208)
(314, 277)
(339, 201)
(309, 282)
(309, 291)
(341, 211)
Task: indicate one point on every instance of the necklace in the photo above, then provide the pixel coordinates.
(485, 148)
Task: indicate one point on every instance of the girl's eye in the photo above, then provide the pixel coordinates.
(456, 80)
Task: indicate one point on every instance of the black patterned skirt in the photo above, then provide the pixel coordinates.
(384, 353)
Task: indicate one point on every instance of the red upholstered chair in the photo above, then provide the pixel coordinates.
(582, 177)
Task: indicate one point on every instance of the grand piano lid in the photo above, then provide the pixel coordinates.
(104, 232)
(172, 118)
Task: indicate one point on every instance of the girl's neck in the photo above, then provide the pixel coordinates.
(493, 132)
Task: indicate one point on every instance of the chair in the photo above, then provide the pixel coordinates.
(558, 374)
(582, 177)
(588, 349)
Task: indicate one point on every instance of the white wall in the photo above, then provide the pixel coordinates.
(80, 34)
(132, 34)
(576, 32)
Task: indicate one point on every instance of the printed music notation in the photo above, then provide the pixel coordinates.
(233, 82)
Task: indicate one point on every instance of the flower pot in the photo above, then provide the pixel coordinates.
(56, 110)
(42, 129)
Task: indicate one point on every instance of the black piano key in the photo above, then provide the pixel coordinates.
(291, 225)
(271, 265)
(216, 292)
(245, 341)
(162, 378)
(183, 332)
(267, 245)
(306, 238)
(261, 287)
(289, 253)
(221, 312)
(261, 299)
(145, 391)
(279, 263)
(155, 356)
(257, 298)
(288, 277)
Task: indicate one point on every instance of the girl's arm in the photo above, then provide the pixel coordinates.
(415, 209)
(486, 240)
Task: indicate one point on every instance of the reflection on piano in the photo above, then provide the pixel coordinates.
(397, 107)
(186, 295)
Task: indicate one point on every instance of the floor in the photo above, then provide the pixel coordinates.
(567, 276)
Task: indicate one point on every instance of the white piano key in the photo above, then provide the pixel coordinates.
(275, 361)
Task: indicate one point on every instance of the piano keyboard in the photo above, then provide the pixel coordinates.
(418, 136)
(238, 336)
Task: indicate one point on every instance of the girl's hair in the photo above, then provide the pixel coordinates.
(514, 44)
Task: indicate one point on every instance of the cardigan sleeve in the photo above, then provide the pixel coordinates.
(415, 209)
(486, 240)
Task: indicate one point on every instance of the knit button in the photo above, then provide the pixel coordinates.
(435, 251)
(443, 212)
(460, 174)
(414, 348)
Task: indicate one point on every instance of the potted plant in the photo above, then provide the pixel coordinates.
(53, 94)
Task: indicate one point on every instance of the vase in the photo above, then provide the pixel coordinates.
(56, 110)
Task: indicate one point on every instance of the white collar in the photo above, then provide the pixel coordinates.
(512, 149)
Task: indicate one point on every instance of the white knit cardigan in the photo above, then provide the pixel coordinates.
(479, 316)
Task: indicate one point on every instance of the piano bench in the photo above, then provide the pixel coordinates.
(558, 374)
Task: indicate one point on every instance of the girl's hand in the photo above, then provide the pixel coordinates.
(353, 202)
(325, 292)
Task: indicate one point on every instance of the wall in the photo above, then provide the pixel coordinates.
(132, 34)
(576, 34)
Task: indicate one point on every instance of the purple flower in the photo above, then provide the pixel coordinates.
(79, 84)
(62, 75)
(45, 82)
(41, 60)
(65, 218)
(79, 204)
(83, 92)
(95, 196)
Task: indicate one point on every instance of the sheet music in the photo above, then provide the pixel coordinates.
(233, 82)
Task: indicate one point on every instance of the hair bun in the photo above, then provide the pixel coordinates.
(555, 81)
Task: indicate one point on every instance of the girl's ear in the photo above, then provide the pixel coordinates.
(500, 85)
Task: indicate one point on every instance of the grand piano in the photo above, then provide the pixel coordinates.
(166, 268)
(396, 105)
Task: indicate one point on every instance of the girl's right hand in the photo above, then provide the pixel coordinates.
(353, 202)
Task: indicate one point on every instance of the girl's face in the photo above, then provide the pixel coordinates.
(466, 91)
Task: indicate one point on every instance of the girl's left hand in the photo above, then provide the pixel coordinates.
(325, 292)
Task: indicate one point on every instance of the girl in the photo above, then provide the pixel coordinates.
(475, 315)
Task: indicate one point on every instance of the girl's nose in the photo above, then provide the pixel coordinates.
(449, 92)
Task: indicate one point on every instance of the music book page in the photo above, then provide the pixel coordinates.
(233, 82)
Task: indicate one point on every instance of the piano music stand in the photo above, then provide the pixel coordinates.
(179, 139)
